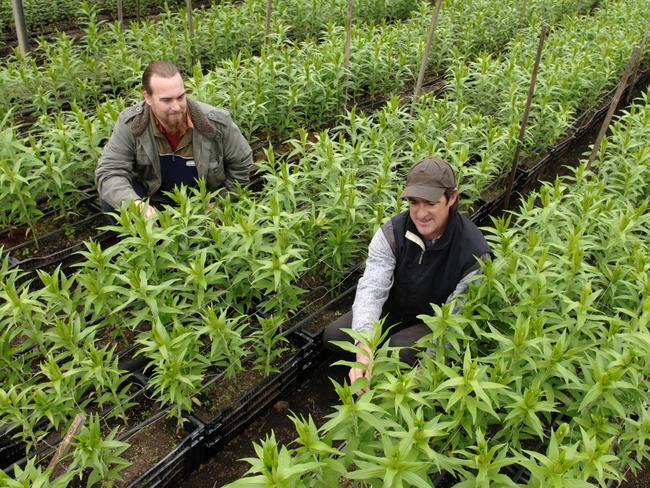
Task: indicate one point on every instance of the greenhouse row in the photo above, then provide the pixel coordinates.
(320, 243)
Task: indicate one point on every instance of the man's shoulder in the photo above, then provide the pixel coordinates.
(397, 223)
(470, 233)
(128, 114)
(208, 120)
(214, 114)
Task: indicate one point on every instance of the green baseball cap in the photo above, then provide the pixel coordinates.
(428, 179)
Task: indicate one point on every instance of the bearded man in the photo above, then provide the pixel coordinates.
(168, 140)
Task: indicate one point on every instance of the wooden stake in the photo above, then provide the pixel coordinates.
(21, 27)
(427, 51)
(578, 6)
(524, 120)
(64, 446)
(190, 28)
(524, 12)
(634, 59)
(120, 12)
(267, 24)
(633, 77)
(348, 44)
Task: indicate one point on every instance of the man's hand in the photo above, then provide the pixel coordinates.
(356, 373)
(146, 209)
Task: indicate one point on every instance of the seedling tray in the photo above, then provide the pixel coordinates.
(341, 302)
(59, 253)
(225, 425)
(171, 470)
(16, 449)
(10, 451)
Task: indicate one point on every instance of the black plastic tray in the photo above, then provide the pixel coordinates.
(64, 255)
(346, 296)
(229, 422)
(176, 466)
(10, 452)
(19, 456)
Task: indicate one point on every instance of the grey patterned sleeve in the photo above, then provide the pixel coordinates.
(463, 286)
(375, 284)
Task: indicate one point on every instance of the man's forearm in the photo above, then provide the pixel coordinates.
(375, 284)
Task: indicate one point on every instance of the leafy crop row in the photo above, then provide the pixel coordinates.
(41, 14)
(109, 57)
(314, 215)
(545, 368)
(181, 287)
(258, 97)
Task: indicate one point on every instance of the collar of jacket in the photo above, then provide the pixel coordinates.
(200, 121)
(441, 242)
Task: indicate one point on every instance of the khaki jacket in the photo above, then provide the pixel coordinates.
(222, 155)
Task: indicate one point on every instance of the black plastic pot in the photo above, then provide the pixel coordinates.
(61, 255)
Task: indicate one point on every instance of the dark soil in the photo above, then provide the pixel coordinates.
(224, 392)
(148, 446)
(327, 317)
(64, 233)
(640, 480)
(313, 397)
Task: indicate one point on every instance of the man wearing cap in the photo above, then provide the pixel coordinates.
(168, 140)
(425, 255)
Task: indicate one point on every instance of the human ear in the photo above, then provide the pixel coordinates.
(453, 197)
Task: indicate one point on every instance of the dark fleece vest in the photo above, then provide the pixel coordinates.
(424, 276)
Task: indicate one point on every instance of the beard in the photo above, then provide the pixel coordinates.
(175, 123)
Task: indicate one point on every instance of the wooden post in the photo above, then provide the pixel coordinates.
(120, 12)
(267, 23)
(21, 27)
(137, 10)
(427, 51)
(578, 6)
(63, 448)
(634, 58)
(633, 77)
(348, 44)
(190, 28)
(524, 12)
(524, 120)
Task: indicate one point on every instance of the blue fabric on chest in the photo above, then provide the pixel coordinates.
(176, 170)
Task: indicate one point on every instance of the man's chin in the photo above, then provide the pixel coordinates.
(175, 123)
(424, 229)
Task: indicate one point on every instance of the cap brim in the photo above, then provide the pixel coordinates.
(428, 193)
